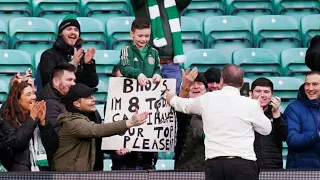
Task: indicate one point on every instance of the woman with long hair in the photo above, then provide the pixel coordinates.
(20, 118)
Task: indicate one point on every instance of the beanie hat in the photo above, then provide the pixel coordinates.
(69, 20)
(213, 75)
(201, 78)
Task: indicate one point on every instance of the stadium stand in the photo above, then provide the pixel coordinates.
(118, 32)
(276, 32)
(55, 10)
(310, 26)
(105, 60)
(292, 62)
(227, 33)
(192, 36)
(201, 9)
(14, 61)
(286, 88)
(205, 58)
(31, 34)
(257, 62)
(4, 37)
(297, 8)
(10, 9)
(104, 10)
(249, 9)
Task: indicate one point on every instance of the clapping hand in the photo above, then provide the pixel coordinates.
(89, 55)
(42, 113)
(77, 55)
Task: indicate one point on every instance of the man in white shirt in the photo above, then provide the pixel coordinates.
(229, 122)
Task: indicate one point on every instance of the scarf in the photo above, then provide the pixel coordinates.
(174, 23)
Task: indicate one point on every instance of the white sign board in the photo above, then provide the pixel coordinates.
(158, 133)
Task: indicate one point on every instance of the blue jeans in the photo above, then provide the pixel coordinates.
(172, 70)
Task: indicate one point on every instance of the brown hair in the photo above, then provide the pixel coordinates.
(140, 23)
(13, 111)
(232, 75)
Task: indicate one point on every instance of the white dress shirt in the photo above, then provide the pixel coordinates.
(229, 121)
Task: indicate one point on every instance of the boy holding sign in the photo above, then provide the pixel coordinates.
(139, 60)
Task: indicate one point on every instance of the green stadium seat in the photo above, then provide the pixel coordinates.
(297, 8)
(10, 9)
(101, 94)
(257, 62)
(4, 37)
(227, 33)
(276, 32)
(4, 87)
(293, 62)
(106, 60)
(191, 32)
(14, 61)
(105, 9)
(31, 34)
(165, 155)
(36, 59)
(201, 9)
(105, 79)
(118, 32)
(203, 59)
(92, 33)
(165, 164)
(100, 109)
(310, 27)
(286, 87)
(55, 10)
(250, 8)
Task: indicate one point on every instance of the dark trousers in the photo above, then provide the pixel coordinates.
(226, 168)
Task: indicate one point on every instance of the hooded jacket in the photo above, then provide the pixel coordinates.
(192, 157)
(55, 107)
(268, 148)
(303, 119)
(77, 141)
(140, 9)
(61, 52)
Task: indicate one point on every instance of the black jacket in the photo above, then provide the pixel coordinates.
(268, 148)
(183, 123)
(21, 137)
(61, 52)
(140, 9)
(313, 54)
(55, 107)
(192, 157)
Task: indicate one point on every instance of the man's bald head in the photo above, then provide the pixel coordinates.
(232, 75)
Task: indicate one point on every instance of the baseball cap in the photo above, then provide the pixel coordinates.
(78, 91)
